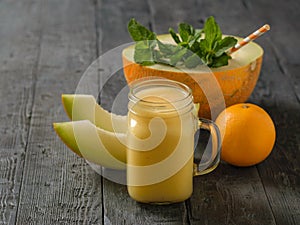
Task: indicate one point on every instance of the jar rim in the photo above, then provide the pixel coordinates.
(158, 81)
(183, 103)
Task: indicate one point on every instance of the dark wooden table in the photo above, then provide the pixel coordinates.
(46, 45)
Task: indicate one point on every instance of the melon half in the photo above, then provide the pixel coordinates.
(236, 80)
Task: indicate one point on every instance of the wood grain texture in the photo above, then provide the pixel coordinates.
(280, 172)
(19, 52)
(57, 186)
(280, 97)
(277, 93)
(119, 208)
(46, 45)
(227, 196)
(112, 20)
(163, 17)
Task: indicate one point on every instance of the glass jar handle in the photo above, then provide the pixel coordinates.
(211, 156)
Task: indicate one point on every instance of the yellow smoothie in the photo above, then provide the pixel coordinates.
(160, 146)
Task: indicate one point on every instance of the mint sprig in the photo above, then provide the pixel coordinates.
(194, 47)
(138, 32)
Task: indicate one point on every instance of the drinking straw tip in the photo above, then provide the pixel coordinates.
(267, 27)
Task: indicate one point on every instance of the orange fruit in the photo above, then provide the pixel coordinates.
(248, 134)
(237, 80)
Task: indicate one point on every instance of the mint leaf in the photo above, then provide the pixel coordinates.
(192, 61)
(167, 49)
(159, 58)
(138, 32)
(191, 49)
(195, 39)
(174, 35)
(143, 53)
(212, 31)
(220, 61)
(223, 45)
(185, 31)
(208, 58)
(204, 48)
(178, 56)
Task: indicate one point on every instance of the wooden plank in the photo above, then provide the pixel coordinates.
(57, 186)
(281, 168)
(280, 96)
(112, 20)
(113, 17)
(19, 50)
(252, 214)
(166, 14)
(229, 195)
(255, 205)
(119, 208)
(60, 188)
(283, 35)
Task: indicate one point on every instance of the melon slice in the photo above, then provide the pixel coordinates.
(94, 144)
(92, 134)
(236, 80)
(85, 107)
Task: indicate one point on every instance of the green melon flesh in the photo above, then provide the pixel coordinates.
(85, 107)
(94, 144)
